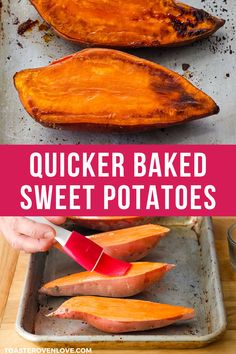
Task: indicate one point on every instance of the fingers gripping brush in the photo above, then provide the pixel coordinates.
(86, 252)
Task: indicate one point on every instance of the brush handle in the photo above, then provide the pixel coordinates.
(86, 252)
(62, 235)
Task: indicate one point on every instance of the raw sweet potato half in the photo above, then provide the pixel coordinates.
(104, 88)
(130, 23)
(131, 244)
(140, 276)
(121, 315)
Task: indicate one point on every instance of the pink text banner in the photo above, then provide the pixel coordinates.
(117, 180)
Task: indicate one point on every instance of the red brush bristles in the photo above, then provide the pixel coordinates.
(92, 257)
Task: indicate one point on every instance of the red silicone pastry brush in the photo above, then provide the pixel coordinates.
(86, 252)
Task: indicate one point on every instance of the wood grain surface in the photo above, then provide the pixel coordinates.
(8, 261)
(11, 287)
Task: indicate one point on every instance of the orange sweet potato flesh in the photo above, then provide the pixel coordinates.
(108, 89)
(140, 276)
(130, 23)
(121, 315)
(131, 244)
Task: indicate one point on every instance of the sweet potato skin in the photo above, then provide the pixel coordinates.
(107, 223)
(122, 315)
(140, 276)
(133, 23)
(111, 90)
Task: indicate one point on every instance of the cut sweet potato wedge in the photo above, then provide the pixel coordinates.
(140, 276)
(102, 88)
(130, 23)
(130, 244)
(121, 315)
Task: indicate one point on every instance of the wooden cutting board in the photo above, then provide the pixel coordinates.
(12, 270)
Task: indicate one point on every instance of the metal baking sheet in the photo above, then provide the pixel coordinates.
(212, 68)
(194, 282)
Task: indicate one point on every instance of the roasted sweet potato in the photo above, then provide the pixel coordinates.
(140, 276)
(107, 223)
(130, 23)
(121, 315)
(130, 244)
(110, 89)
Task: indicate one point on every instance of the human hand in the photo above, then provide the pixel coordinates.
(27, 235)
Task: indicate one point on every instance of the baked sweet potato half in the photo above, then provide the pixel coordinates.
(130, 23)
(131, 244)
(104, 88)
(121, 315)
(138, 278)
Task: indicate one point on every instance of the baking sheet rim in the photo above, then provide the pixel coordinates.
(123, 338)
